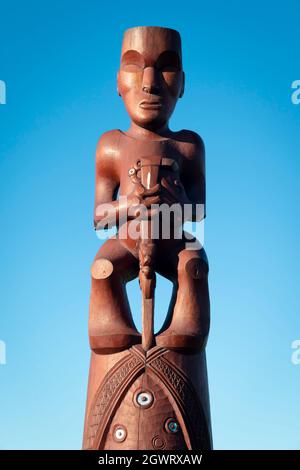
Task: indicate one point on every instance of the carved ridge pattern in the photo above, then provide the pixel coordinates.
(189, 403)
(120, 378)
(114, 383)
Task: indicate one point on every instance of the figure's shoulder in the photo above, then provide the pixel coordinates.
(190, 143)
(107, 154)
(108, 143)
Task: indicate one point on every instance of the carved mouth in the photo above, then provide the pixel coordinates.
(150, 104)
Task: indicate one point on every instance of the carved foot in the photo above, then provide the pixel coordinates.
(114, 342)
(172, 339)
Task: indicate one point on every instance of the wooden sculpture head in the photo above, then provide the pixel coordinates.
(151, 79)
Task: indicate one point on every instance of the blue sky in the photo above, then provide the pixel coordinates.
(59, 61)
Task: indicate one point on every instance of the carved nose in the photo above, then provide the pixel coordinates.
(146, 89)
(150, 84)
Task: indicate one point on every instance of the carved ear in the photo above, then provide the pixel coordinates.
(118, 91)
(183, 84)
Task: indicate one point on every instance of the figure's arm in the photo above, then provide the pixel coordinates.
(106, 209)
(193, 178)
(189, 192)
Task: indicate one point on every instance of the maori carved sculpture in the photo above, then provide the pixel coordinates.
(149, 390)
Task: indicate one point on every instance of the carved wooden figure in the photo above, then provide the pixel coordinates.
(149, 391)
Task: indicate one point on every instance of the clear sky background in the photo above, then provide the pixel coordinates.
(59, 60)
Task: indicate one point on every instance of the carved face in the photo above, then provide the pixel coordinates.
(150, 79)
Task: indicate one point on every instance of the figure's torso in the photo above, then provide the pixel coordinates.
(174, 158)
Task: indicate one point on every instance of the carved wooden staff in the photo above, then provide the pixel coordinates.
(149, 170)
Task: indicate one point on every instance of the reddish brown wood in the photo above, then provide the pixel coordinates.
(146, 390)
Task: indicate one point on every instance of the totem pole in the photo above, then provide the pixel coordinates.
(149, 390)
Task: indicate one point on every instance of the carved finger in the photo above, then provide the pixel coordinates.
(151, 200)
(139, 190)
(154, 190)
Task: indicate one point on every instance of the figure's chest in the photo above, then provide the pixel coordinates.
(148, 163)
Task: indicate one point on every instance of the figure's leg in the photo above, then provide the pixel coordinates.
(111, 327)
(187, 323)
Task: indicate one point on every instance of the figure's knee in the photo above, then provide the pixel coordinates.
(113, 261)
(102, 268)
(103, 264)
(193, 264)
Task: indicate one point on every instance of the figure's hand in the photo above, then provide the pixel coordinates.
(141, 200)
(173, 192)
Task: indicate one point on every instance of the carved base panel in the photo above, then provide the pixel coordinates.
(153, 401)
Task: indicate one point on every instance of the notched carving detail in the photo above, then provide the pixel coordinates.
(114, 384)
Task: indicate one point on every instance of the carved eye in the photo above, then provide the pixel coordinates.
(120, 433)
(144, 399)
(132, 61)
(133, 68)
(172, 426)
(169, 61)
(178, 185)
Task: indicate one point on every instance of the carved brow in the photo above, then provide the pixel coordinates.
(133, 56)
(169, 58)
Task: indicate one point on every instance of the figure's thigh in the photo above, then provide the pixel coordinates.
(174, 260)
(113, 257)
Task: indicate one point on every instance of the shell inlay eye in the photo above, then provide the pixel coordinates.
(172, 426)
(120, 433)
(144, 399)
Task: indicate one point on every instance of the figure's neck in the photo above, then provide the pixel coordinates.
(148, 134)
